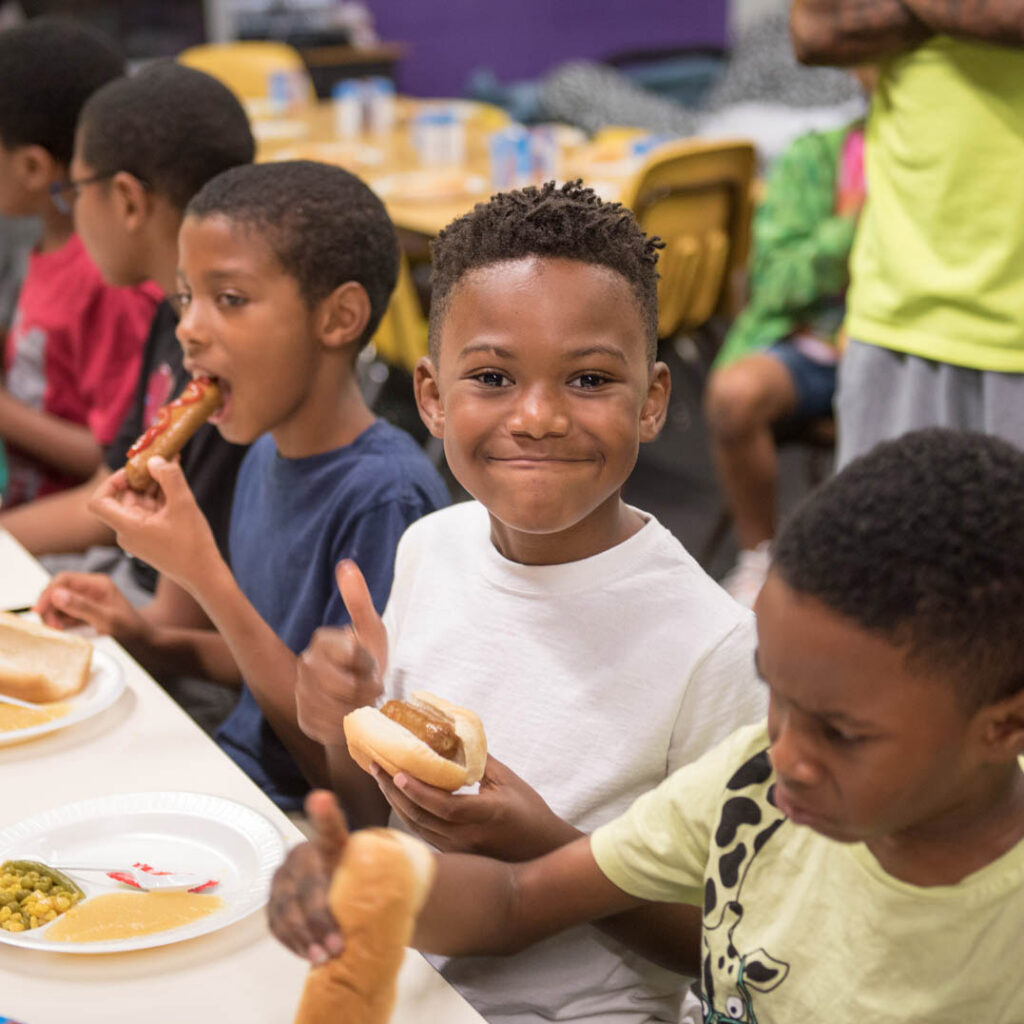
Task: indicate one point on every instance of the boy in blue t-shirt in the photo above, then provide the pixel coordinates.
(285, 272)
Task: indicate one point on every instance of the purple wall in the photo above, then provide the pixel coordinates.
(447, 39)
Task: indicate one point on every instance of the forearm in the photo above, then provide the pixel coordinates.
(59, 522)
(992, 21)
(263, 660)
(667, 934)
(68, 447)
(357, 791)
(483, 906)
(178, 651)
(850, 32)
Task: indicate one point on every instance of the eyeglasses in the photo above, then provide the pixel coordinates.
(64, 193)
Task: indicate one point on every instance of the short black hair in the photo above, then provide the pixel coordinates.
(921, 541)
(568, 222)
(324, 225)
(171, 126)
(49, 67)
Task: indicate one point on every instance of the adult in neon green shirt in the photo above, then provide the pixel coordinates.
(936, 302)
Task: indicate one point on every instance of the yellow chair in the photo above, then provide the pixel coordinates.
(245, 68)
(401, 338)
(696, 196)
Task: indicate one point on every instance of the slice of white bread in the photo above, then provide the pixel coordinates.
(41, 664)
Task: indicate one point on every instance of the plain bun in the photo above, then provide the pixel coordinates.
(373, 737)
(377, 890)
(41, 664)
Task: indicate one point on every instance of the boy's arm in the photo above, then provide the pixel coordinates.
(169, 532)
(478, 905)
(59, 522)
(68, 447)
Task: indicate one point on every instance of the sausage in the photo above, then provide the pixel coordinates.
(175, 423)
(426, 724)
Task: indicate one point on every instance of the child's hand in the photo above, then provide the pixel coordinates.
(506, 819)
(75, 597)
(340, 670)
(163, 527)
(299, 915)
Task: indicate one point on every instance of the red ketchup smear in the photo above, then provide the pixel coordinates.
(193, 393)
(121, 876)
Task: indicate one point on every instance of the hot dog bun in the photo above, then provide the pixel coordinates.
(41, 664)
(175, 424)
(376, 893)
(373, 737)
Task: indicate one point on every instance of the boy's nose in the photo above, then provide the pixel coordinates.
(788, 752)
(540, 412)
(189, 331)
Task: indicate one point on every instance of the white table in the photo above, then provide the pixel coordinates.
(145, 742)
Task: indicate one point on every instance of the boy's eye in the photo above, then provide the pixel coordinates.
(492, 379)
(232, 299)
(589, 380)
(841, 736)
(181, 299)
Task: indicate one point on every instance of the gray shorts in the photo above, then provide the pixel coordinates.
(883, 394)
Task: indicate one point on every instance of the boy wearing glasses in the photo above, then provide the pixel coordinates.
(71, 358)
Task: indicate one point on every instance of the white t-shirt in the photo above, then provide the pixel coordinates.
(594, 680)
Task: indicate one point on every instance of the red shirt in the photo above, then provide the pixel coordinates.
(73, 350)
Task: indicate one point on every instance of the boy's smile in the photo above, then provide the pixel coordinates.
(864, 747)
(543, 395)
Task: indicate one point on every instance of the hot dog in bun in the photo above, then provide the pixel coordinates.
(429, 738)
(175, 423)
(376, 893)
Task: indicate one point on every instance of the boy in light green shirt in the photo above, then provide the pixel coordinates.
(861, 856)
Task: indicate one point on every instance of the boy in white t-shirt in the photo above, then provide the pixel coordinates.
(598, 654)
(861, 858)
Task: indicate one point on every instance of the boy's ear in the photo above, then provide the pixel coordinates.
(655, 408)
(36, 168)
(131, 200)
(344, 315)
(1002, 728)
(428, 396)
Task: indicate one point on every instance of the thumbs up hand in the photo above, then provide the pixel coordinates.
(341, 669)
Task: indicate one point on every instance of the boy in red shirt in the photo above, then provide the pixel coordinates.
(71, 358)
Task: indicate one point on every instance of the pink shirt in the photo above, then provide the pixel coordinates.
(73, 350)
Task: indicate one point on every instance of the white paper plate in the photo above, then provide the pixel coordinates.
(209, 835)
(106, 682)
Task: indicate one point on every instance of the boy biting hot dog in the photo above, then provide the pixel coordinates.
(175, 424)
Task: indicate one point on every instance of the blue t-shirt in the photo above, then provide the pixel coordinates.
(292, 521)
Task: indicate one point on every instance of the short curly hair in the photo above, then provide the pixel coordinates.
(49, 67)
(324, 226)
(921, 542)
(568, 222)
(171, 126)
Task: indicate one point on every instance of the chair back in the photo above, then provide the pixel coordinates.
(696, 196)
(246, 67)
(401, 338)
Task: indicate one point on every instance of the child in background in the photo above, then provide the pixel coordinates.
(168, 130)
(860, 857)
(72, 355)
(285, 271)
(779, 361)
(598, 654)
